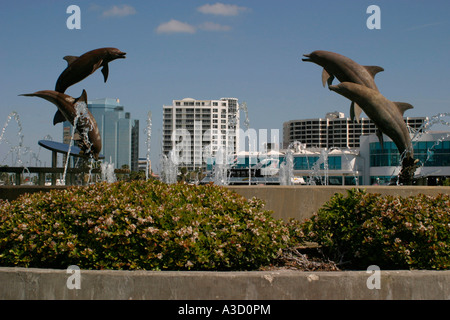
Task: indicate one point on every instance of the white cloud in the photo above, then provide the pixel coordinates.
(122, 11)
(175, 26)
(211, 26)
(94, 7)
(423, 26)
(221, 9)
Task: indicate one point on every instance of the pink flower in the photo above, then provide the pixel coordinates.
(109, 221)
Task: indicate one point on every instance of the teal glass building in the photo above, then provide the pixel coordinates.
(368, 165)
(119, 133)
(431, 149)
(429, 154)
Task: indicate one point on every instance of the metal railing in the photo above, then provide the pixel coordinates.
(42, 172)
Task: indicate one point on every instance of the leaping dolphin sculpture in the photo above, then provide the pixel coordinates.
(81, 67)
(387, 116)
(345, 70)
(67, 111)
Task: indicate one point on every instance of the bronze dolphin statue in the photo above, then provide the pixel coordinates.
(81, 67)
(345, 70)
(67, 111)
(387, 115)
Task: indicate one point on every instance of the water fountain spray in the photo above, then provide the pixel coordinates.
(148, 131)
(243, 106)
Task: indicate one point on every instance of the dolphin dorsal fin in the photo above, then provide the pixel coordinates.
(70, 59)
(403, 106)
(83, 97)
(373, 70)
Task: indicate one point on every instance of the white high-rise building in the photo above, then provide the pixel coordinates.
(194, 130)
(335, 130)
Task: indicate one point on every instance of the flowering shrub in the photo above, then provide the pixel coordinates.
(139, 225)
(392, 232)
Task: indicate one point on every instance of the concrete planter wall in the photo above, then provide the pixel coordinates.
(300, 202)
(22, 283)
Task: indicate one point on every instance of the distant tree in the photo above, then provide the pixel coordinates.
(183, 174)
(138, 175)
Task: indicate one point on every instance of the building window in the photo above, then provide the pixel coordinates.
(335, 163)
(429, 154)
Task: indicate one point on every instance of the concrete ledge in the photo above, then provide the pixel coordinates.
(50, 284)
(300, 202)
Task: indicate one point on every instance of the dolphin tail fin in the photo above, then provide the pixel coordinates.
(326, 78)
(355, 111)
(105, 71)
(70, 59)
(59, 117)
(403, 106)
(373, 70)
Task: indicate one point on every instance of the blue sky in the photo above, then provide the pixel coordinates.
(250, 50)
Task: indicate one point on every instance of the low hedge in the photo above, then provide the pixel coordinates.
(155, 226)
(139, 225)
(393, 232)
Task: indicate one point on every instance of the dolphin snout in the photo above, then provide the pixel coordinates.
(307, 57)
(334, 87)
